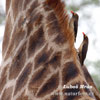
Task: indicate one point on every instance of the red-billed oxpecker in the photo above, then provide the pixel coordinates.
(82, 50)
(74, 23)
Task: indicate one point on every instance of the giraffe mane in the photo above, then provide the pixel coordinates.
(61, 13)
(59, 8)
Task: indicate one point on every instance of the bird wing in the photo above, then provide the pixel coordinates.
(75, 27)
(84, 52)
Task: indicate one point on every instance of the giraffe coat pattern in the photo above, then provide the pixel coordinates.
(38, 53)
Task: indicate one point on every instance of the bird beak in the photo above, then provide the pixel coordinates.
(84, 34)
(72, 12)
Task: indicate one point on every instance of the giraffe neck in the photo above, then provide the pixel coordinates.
(91, 82)
(39, 57)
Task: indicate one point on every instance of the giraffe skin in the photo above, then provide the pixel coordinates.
(91, 82)
(38, 53)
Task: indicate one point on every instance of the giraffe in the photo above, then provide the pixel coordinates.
(38, 53)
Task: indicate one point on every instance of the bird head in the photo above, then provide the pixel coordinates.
(75, 15)
(72, 12)
(85, 36)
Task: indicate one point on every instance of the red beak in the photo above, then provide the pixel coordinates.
(83, 33)
(72, 12)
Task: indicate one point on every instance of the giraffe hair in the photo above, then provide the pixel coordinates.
(59, 8)
(60, 11)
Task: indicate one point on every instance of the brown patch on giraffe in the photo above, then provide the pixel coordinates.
(42, 57)
(39, 20)
(38, 78)
(18, 62)
(72, 93)
(53, 26)
(36, 41)
(3, 78)
(8, 29)
(16, 7)
(22, 80)
(60, 39)
(33, 6)
(35, 20)
(7, 94)
(55, 61)
(69, 72)
(50, 85)
(51, 17)
(22, 97)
